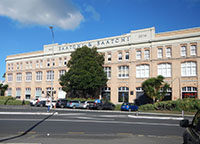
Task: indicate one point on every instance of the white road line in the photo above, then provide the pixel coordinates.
(150, 117)
(25, 113)
(92, 118)
(95, 121)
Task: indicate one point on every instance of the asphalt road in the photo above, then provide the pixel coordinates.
(85, 127)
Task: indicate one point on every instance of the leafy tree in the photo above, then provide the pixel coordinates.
(155, 88)
(3, 88)
(86, 75)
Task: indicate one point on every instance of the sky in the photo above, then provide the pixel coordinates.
(24, 24)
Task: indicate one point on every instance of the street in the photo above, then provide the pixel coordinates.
(82, 126)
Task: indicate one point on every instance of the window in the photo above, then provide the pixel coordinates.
(168, 52)
(193, 50)
(65, 61)
(61, 72)
(138, 55)
(109, 57)
(142, 71)
(27, 65)
(10, 77)
(50, 75)
(38, 76)
(164, 69)
(28, 93)
(189, 92)
(60, 62)
(183, 51)
(105, 92)
(123, 94)
(120, 56)
(41, 63)
(28, 76)
(18, 93)
(18, 77)
(8, 67)
(38, 92)
(160, 53)
(188, 69)
(30, 66)
(20, 67)
(123, 71)
(108, 72)
(9, 93)
(17, 66)
(127, 56)
(146, 54)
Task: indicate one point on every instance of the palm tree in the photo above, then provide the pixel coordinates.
(155, 88)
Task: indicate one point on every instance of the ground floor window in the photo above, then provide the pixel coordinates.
(28, 93)
(123, 94)
(38, 93)
(18, 93)
(48, 92)
(189, 92)
(105, 93)
(9, 92)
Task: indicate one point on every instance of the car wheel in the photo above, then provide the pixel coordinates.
(41, 105)
(87, 107)
(74, 107)
(62, 106)
(129, 110)
(99, 108)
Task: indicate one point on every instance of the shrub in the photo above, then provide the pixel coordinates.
(189, 105)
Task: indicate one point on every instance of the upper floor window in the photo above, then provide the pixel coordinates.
(37, 64)
(41, 63)
(28, 76)
(109, 57)
(138, 55)
(60, 62)
(188, 69)
(164, 69)
(50, 75)
(160, 53)
(146, 54)
(120, 56)
(183, 51)
(18, 77)
(61, 72)
(142, 71)
(108, 72)
(168, 52)
(38, 76)
(127, 56)
(193, 50)
(123, 71)
(10, 77)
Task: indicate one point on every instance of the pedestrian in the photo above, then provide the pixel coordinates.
(48, 104)
(23, 102)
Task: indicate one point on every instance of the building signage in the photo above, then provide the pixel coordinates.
(98, 43)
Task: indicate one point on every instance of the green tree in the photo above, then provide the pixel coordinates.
(3, 88)
(86, 75)
(155, 88)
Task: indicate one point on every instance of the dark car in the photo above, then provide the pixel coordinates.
(61, 103)
(192, 133)
(102, 106)
(129, 107)
(41, 104)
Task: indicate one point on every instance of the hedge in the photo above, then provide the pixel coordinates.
(189, 105)
(8, 100)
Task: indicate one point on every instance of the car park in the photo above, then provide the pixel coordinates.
(129, 107)
(74, 104)
(61, 103)
(192, 132)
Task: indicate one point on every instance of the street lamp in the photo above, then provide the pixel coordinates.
(52, 32)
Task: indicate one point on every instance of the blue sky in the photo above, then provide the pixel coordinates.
(24, 23)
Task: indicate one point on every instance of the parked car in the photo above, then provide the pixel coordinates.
(53, 103)
(129, 107)
(192, 133)
(85, 104)
(74, 104)
(61, 103)
(41, 103)
(102, 106)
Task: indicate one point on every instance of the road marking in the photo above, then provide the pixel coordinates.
(27, 132)
(25, 113)
(150, 117)
(125, 134)
(77, 133)
(95, 121)
(92, 118)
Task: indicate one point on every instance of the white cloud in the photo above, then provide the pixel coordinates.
(95, 14)
(60, 13)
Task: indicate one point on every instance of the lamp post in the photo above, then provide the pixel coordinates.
(52, 32)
